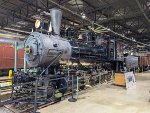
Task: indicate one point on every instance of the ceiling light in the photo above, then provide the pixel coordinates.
(131, 53)
(83, 15)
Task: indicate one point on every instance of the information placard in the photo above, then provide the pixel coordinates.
(130, 80)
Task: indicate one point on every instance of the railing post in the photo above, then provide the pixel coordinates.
(16, 57)
(99, 78)
(77, 92)
(25, 64)
(0, 96)
(72, 99)
(35, 96)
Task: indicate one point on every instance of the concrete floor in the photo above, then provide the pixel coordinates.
(109, 99)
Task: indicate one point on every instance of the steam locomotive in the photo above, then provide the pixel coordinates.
(46, 51)
(41, 48)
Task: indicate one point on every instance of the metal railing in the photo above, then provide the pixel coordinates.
(37, 100)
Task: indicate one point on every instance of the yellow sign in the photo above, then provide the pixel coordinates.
(10, 75)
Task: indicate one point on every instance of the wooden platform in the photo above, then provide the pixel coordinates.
(4, 94)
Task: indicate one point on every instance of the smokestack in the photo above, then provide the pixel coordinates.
(56, 16)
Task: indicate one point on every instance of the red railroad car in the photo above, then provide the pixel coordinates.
(144, 61)
(7, 52)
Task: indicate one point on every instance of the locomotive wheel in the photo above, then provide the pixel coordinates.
(62, 85)
(50, 92)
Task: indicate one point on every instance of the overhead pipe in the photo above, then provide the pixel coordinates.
(9, 41)
(17, 30)
(9, 35)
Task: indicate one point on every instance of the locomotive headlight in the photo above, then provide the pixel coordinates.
(37, 23)
(27, 49)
